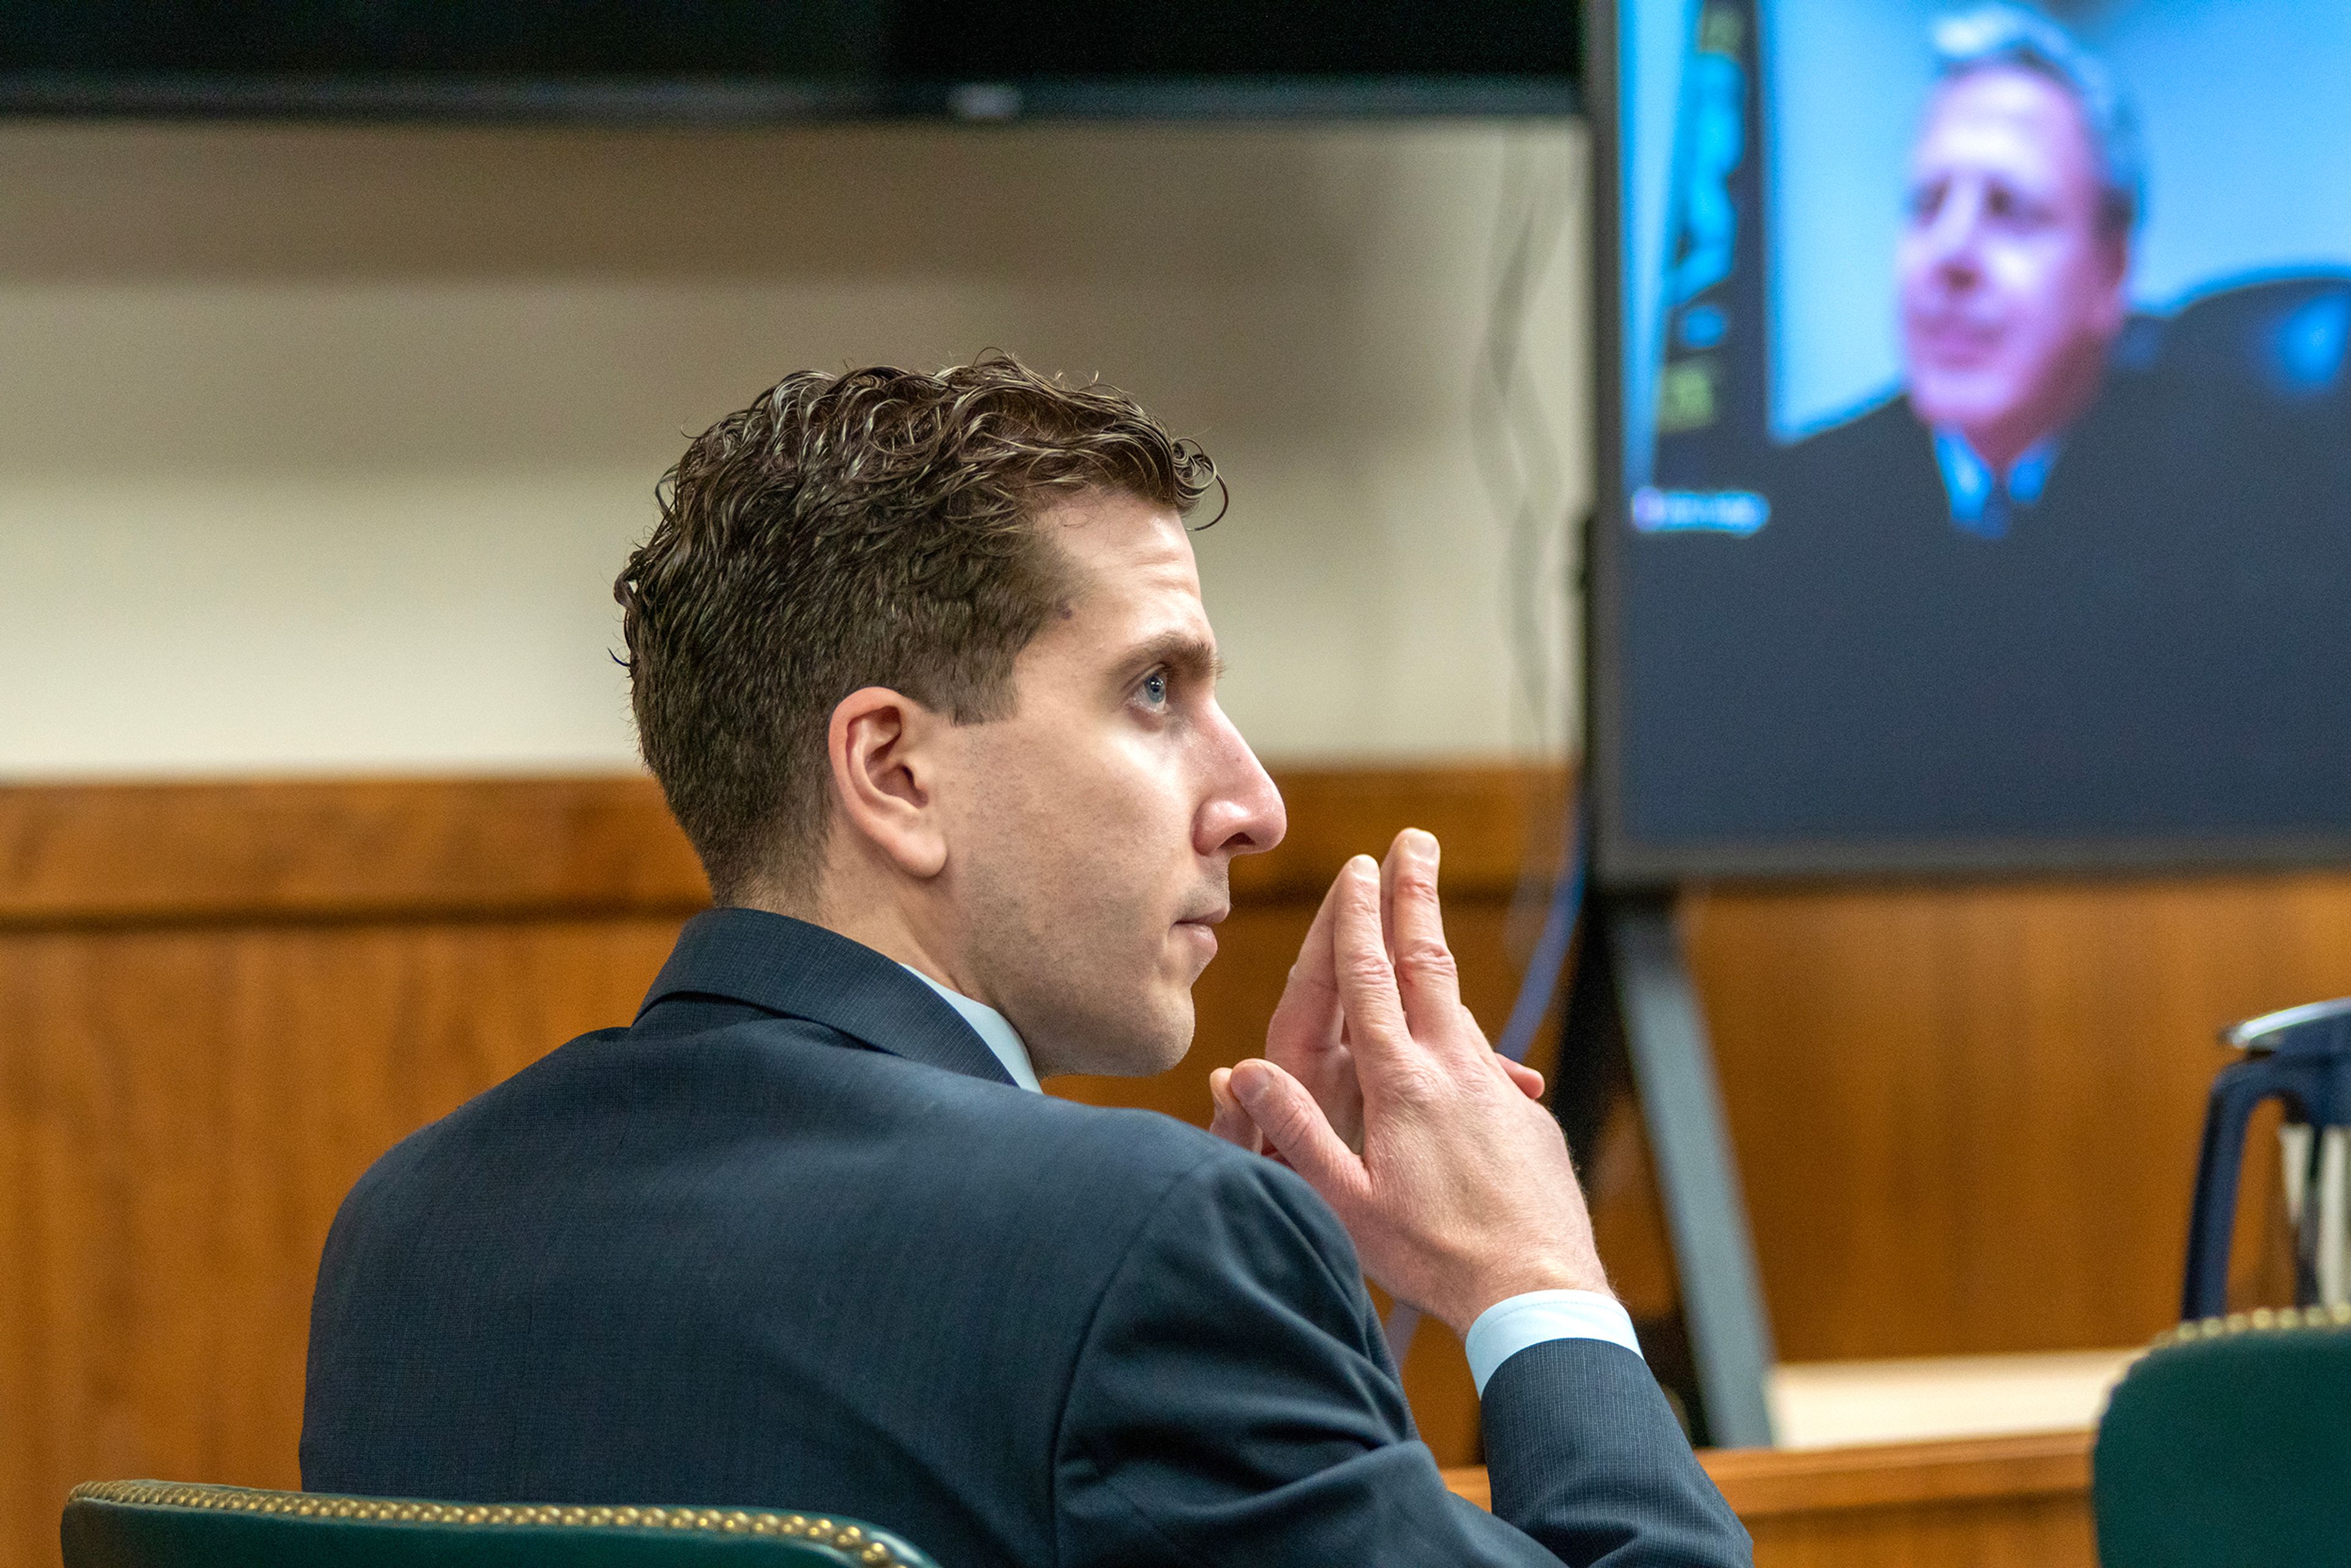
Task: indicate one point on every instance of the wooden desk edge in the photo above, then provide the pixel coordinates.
(1760, 1483)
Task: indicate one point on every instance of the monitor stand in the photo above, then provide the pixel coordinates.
(1630, 1004)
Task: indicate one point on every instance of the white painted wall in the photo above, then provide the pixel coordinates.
(320, 446)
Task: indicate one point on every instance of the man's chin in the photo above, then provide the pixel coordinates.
(1169, 1039)
(1141, 1047)
(1960, 401)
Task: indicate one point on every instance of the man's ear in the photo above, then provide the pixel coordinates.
(883, 749)
(2115, 306)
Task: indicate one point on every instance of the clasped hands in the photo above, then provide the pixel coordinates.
(1379, 1089)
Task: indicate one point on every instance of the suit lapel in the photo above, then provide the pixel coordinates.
(795, 970)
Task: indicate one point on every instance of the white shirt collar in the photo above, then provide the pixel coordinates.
(994, 1030)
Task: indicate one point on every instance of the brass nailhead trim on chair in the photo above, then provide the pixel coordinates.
(823, 1532)
(2261, 1319)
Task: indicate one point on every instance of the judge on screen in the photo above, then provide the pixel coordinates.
(2077, 579)
(2012, 274)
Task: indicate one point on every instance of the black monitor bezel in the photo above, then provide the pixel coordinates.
(743, 101)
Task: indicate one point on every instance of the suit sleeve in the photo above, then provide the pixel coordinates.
(1234, 1403)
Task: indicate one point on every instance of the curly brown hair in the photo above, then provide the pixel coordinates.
(869, 528)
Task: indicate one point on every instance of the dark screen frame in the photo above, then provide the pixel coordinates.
(724, 101)
(1621, 863)
(752, 62)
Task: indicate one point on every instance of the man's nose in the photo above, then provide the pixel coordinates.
(1953, 237)
(1243, 814)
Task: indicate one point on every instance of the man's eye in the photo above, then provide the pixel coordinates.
(2015, 209)
(1154, 688)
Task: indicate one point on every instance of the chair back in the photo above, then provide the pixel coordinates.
(2228, 1443)
(158, 1524)
(2302, 1058)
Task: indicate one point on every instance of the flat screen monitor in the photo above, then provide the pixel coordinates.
(746, 61)
(1976, 462)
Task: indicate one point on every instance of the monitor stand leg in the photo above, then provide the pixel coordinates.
(1630, 1004)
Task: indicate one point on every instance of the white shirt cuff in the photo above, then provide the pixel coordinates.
(1509, 1327)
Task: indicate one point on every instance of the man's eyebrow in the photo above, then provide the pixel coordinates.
(1186, 654)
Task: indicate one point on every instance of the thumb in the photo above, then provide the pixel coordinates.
(1529, 1082)
(1231, 1122)
(1298, 1131)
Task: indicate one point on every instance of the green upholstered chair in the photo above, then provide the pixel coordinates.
(157, 1524)
(2228, 1446)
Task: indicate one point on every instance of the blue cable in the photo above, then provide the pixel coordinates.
(1548, 964)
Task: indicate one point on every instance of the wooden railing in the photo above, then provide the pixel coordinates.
(1962, 1504)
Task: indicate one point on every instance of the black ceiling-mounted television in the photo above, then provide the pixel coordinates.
(1975, 485)
(745, 61)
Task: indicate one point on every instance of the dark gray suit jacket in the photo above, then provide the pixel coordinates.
(794, 1240)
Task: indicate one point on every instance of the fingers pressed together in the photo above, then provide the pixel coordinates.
(1378, 1088)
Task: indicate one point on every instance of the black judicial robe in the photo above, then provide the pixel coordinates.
(2159, 645)
(794, 1241)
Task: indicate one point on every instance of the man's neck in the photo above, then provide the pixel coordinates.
(878, 924)
(875, 921)
(2002, 444)
(994, 1031)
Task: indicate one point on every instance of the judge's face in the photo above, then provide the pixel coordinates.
(2012, 287)
(1091, 832)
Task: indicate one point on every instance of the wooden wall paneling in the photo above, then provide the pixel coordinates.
(124, 854)
(186, 1109)
(1967, 1116)
(24, 1364)
(1487, 817)
(288, 850)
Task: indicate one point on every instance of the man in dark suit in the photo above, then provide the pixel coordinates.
(922, 666)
